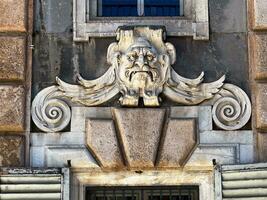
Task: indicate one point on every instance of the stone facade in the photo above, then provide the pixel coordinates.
(258, 67)
(15, 76)
(179, 140)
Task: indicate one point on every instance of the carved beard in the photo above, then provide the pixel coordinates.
(140, 81)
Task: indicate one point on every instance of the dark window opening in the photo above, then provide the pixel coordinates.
(123, 8)
(143, 193)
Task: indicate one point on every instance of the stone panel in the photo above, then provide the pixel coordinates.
(59, 156)
(228, 16)
(140, 131)
(204, 155)
(52, 12)
(178, 143)
(11, 151)
(260, 14)
(262, 144)
(261, 106)
(12, 15)
(12, 58)
(12, 106)
(103, 144)
(258, 44)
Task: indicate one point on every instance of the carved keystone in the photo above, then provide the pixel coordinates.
(140, 131)
(145, 138)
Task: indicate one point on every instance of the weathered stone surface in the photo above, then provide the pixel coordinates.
(103, 144)
(204, 179)
(12, 15)
(52, 12)
(11, 151)
(258, 44)
(223, 154)
(12, 58)
(12, 108)
(260, 14)
(140, 131)
(228, 16)
(261, 106)
(262, 144)
(223, 54)
(178, 143)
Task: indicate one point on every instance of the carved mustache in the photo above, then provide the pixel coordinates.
(153, 74)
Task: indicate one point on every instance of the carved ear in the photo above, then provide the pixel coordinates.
(171, 52)
(113, 50)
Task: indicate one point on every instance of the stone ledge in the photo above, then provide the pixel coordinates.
(12, 107)
(11, 151)
(12, 16)
(12, 58)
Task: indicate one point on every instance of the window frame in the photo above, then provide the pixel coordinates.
(86, 24)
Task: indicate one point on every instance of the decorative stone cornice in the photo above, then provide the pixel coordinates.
(141, 69)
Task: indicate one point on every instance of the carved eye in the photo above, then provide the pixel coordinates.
(150, 57)
(132, 57)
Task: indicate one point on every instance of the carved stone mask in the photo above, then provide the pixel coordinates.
(142, 70)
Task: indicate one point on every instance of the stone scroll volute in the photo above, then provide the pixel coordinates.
(141, 68)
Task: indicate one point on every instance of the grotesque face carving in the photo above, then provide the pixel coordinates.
(141, 72)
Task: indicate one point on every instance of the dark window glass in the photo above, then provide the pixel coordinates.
(162, 7)
(123, 8)
(116, 8)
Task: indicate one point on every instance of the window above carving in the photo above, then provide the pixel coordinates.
(101, 18)
(141, 8)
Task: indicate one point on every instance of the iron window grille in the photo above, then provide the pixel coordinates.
(143, 193)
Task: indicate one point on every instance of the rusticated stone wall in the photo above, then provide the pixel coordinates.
(15, 79)
(258, 70)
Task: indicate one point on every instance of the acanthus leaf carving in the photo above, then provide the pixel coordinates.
(141, 68)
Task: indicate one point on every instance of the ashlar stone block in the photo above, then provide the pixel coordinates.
(12, 58)
(258, 44)
(11, 151)
(260, 14)
(261, 106)
(12, 15)
(262, 144)
(12, 106)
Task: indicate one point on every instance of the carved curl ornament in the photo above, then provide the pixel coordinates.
(140, 67)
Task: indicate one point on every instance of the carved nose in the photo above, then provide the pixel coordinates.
(141, 62)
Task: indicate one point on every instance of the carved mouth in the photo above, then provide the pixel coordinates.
(147, 73)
